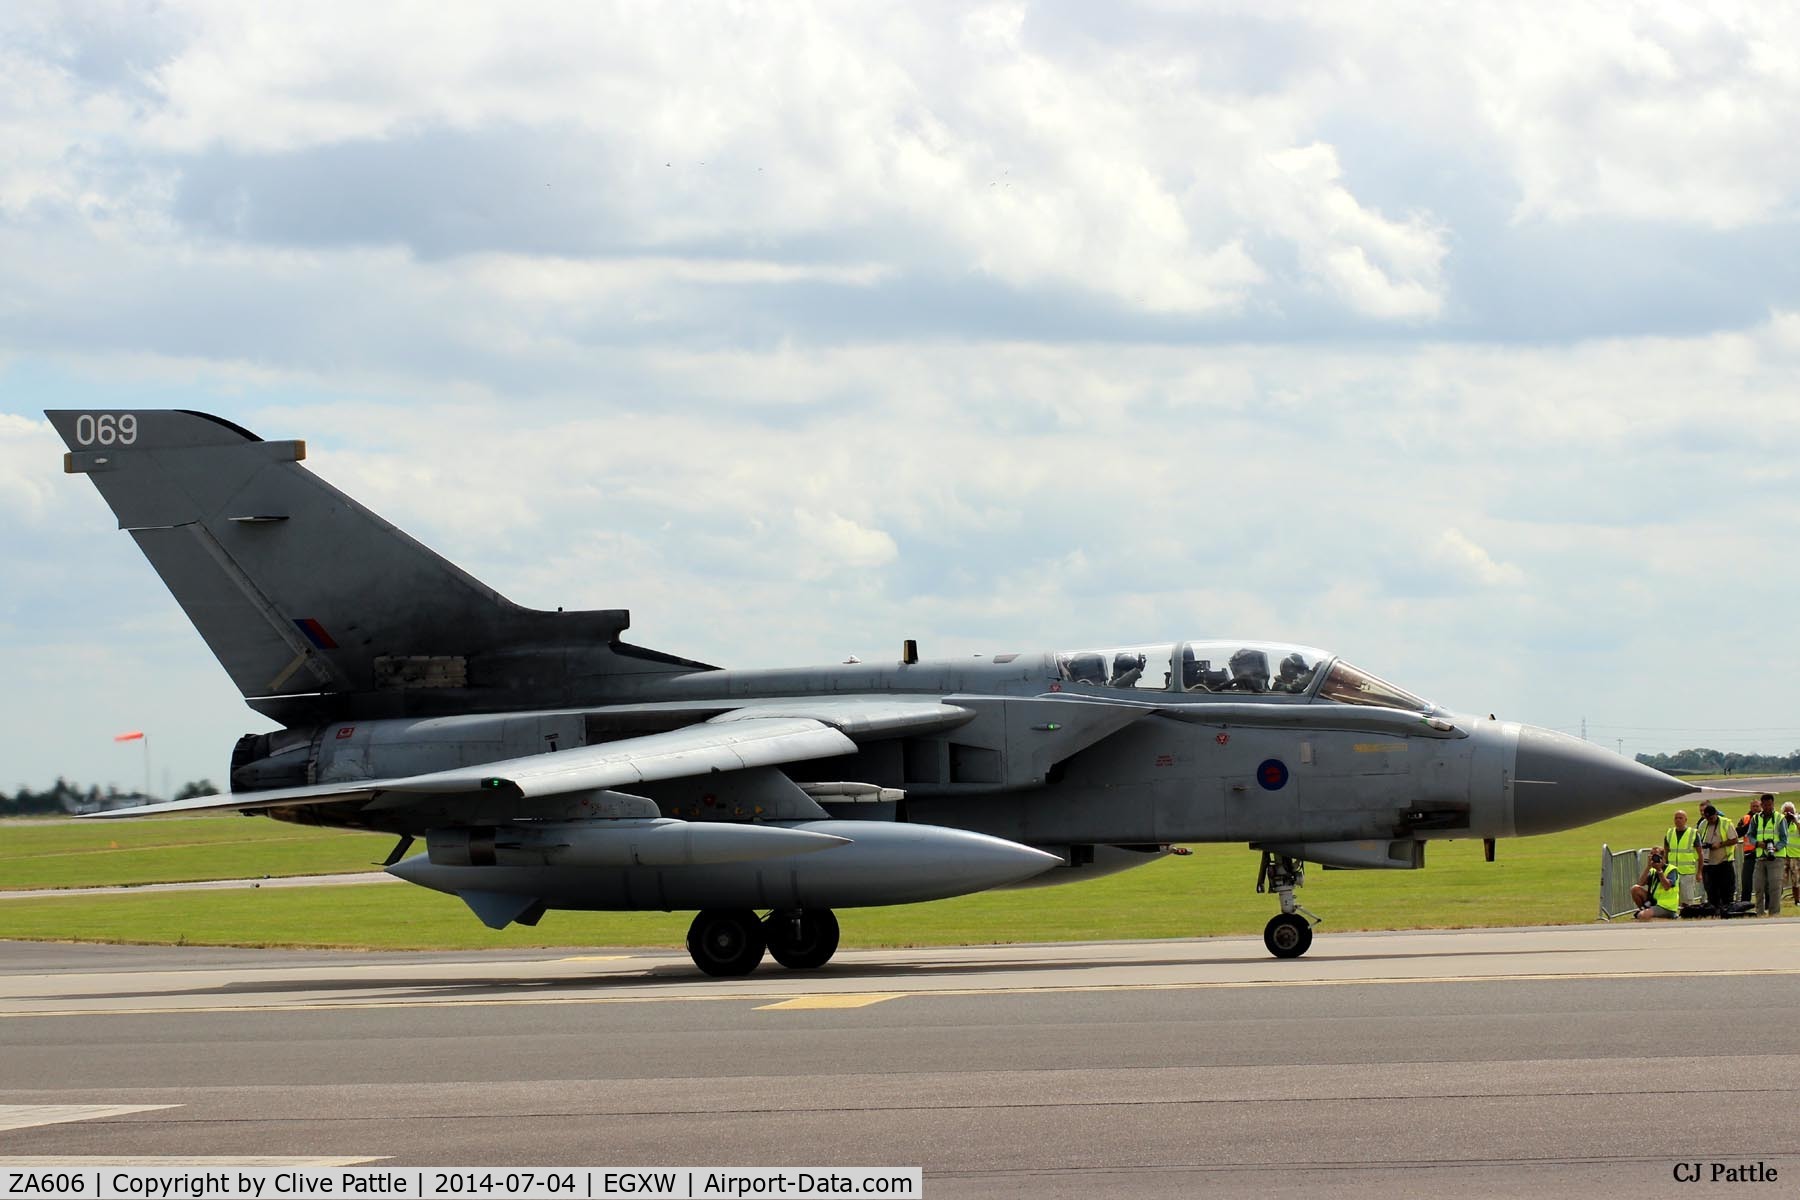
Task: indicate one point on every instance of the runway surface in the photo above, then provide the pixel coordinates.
(1747, 785)
(1578, 1060)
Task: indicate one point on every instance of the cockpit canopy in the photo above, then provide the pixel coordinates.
(1233, 667)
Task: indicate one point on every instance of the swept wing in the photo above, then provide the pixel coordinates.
(693, 750)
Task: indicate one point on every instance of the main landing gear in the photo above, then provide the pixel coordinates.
(1288, 934)
(731, 941)
(801, 938)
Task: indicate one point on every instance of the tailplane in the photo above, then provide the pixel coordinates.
(316, 607)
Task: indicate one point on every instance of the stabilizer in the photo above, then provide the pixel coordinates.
(316, 607)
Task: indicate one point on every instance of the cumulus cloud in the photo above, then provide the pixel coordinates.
(1375, 266)
(835, 543)
(1463, 559)
(26, 446)
(992, 151)
(1691, 121)
(1005, 170)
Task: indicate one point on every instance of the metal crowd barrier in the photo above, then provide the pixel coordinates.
(1619, 869)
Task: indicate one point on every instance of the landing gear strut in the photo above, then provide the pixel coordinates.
(1290, 933)
(726, 941)
(801, 938)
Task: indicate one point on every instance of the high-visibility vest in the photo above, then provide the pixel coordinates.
(1793, 834)
(1684, 850)
(1725, 832)
(1666, 895)
(1764, 829)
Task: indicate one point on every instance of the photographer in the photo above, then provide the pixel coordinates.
(1771, 838)
(1718, 843)
(1747, 839)
(1681, 847)
(1790, 866)
(1657, 893)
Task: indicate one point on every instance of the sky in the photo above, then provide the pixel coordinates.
(1463, 340)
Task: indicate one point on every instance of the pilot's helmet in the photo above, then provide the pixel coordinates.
(1292, 667)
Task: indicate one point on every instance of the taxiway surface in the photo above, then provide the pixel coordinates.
(1576, 1060)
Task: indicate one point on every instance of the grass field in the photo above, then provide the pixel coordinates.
(58, 854)
(1544, 880)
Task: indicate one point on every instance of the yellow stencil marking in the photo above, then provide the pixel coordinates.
(1380, 747)
(853, 1000)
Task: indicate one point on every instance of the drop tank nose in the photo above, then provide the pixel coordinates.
(1561, 782)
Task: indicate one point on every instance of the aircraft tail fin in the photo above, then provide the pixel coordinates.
(316, 607)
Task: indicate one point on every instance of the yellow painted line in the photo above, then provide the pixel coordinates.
(839, 1000)
(924, 993)
(594, 958)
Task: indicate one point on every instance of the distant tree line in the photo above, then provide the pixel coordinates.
(1701, 761)
(64, 797)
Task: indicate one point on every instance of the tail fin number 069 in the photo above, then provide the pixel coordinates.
(106, 429)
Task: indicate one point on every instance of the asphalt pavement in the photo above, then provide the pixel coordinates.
(1488, 1062)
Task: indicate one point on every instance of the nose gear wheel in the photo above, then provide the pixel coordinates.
(1289, 934)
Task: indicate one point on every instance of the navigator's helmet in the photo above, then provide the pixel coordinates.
(1250, 665)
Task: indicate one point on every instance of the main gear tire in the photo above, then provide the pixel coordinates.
(802, 941)
(725, 942)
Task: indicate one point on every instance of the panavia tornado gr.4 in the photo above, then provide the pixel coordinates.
(549, 764)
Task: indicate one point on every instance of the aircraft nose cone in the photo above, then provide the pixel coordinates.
(1561, 782)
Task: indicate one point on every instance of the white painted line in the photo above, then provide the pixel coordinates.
(830, 1000)
(176, 1160)
(29, 1116)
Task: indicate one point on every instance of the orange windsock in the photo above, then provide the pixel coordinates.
(136, 735)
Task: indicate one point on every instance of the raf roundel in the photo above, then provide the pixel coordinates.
(1273, 774)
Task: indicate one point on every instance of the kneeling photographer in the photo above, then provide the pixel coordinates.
(1657, 893)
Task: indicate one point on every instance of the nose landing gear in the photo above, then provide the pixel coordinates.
(1288, 934)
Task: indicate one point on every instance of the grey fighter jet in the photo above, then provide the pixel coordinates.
(549, 764)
